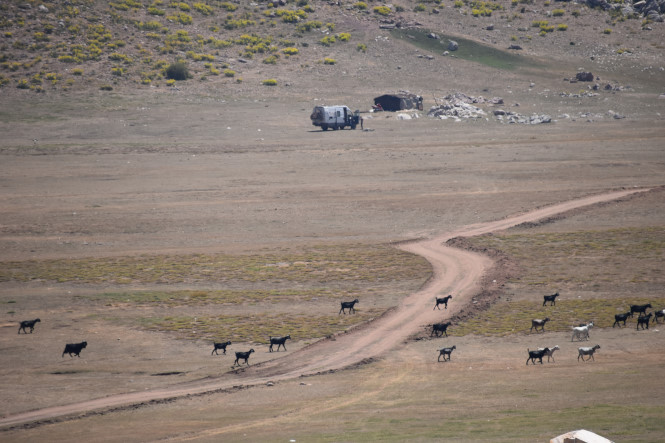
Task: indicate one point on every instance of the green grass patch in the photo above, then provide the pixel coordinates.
(468, 49)
(205, 297)
(609, 260)
(319, 265)
(506, 318)
(255, 328)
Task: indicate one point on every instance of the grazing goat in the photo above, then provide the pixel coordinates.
(587, 351)
(641, 309)
(550, 352)
(641, 321)
(658, 314)
(439, 329)
(442, 301)
(28, 324)
(538, 323)
(243, 356)
(446, 352)
(538, 354)
(74, 348)
(581, 332)
(621, 318)
(221, 346)
(279, 341)
(550, 298)
(348, 305)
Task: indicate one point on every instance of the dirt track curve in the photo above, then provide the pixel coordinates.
(455, 272)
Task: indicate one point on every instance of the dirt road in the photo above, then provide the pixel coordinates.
(455, 272)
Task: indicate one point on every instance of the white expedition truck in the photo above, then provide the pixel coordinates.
(335, 117)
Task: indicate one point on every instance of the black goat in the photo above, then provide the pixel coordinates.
(442, 301)
(221, 346)
(538, 323)
(74, 348)
(28, 324)
(439, 329)
(279, 341)
(621, 318)
(243, 356)
(658, 314)
(348, 305)
(537, 354)
(550, 298)
(445, 352)
(641, 321)
(641, 309)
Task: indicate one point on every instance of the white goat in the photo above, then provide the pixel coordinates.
(550, 352)
(581, 332)
(587, 351)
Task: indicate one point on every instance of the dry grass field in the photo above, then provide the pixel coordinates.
(151, 220)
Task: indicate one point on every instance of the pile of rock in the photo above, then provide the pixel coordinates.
(461, 106)
(456, 111)
(513, 117)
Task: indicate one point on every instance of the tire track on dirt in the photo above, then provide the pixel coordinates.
(453, 271)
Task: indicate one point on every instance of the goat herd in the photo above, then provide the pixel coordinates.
(580, 332)
(76, 348)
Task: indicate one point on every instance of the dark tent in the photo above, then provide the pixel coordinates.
(400, 101)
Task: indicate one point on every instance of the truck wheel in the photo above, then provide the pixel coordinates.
(342, 127)
(324, 127)
(335, 128)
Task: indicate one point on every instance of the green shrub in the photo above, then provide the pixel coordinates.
(558, 12)
(170, 82)
(117, 72)
(607, 31)
(327, 40)
(361, 6)
(155, 11)
(229, 73)
(151, 26)
(182, 18)
(561, 27)
(77, 71)
(117, 57)
(361, 47)
(308, 26)
(290, 51)
(344, 36)
(23, 84)
(329, 61)
(68, 59)
(419, 8)
(382, 10)
(177, 71)
(106, 88)
(228, 6)
(269, 82)
(202, 8)
(271, 60)
(576, 13)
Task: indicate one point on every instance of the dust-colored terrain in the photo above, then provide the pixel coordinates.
(159, 175)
